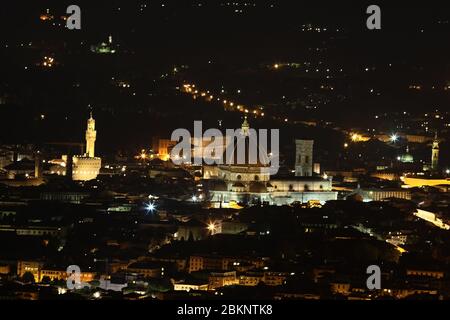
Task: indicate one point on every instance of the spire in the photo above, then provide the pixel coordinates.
(91, 115)
(436, 141)
(435, 153)
(245, 126)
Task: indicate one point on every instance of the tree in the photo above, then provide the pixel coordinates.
(46, 279)
(28, 277)
(159, 285)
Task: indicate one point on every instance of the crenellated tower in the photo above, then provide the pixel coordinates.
(91, 136)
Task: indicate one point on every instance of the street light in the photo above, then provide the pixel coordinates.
(393, 137)
(150, 207)
(212, 227)
(355, 137)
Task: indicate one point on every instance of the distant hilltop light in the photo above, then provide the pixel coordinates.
(104, 48)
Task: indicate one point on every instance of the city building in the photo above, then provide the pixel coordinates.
(434, 178)
(87, 167)
(250, 183)
(191, 284)
(218, 279)
(33, 267)
(162, 147)
(212, 262)
(379, 194)
(53, 274)
(421, 181)
(148, 269)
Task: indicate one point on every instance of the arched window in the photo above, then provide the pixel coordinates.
(239, 177)
(256, 178)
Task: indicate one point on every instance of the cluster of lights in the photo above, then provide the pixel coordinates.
(48, 62)
(47, 16)
(311, 28)
(124, 85)
(195, 92)
(356, 137)
(197, 198)
(143, 155)
(415, 87)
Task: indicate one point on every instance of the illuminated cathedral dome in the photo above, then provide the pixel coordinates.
(407, 157)
(245, 149)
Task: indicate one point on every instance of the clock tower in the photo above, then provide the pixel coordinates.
(91, 136)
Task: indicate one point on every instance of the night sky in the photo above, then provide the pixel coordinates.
(153, 37)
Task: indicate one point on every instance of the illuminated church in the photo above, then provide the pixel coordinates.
(434, 175)
(249, 183)
(87, 167)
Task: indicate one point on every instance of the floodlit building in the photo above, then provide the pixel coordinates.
(422, 181)
(407, 157)
(379, 194)
(192, 284)
(87, 167)
(304, 158)
(433, 179)
(251, 183)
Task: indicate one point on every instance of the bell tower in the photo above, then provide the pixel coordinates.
(245, 127)
(91, 136)
(304, 158)
(435, 154)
